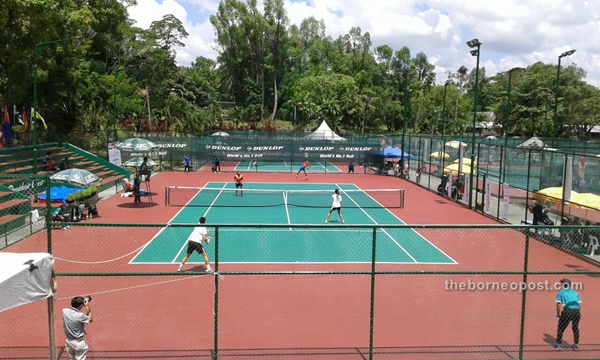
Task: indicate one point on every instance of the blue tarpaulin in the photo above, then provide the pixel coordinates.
(395, 152)
(59, 194)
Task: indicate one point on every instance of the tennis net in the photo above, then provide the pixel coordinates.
(226, 197)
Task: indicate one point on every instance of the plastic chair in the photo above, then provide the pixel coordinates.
(594, 245)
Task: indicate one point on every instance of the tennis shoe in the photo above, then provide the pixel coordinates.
(325, 222)
(208, 269)
(556, 346)
(575, 347)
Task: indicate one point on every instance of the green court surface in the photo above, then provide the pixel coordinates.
(321, 243)
(284, 166)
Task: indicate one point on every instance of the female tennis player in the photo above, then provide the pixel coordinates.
(336, 205)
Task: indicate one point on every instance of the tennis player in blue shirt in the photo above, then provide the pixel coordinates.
(568, 306)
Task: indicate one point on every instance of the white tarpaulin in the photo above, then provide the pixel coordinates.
(324, 132)
(24, 278)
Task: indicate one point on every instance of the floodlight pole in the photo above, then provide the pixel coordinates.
(554, 126)
(475, 43)
(405, 120)
(89, 34)
(445, 119)
(507, 125)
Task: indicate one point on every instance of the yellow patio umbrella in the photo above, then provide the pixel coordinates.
(466, 169)
(455, 144)
(466, 161)
(439, 154)
(552, 194)
(587, 200)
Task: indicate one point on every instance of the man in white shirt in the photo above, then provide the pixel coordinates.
(195, 244)
(336, 205)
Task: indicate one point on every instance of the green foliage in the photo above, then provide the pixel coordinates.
(270, 69)
(82, 195)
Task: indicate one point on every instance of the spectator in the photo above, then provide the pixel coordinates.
(419, 171)
(49, 162)
(568, 306)
(217, 167)
(136, 189)
(538, 213)
(188, 163)
(74, 320)
(64, 165)
(61, 214)
(351, 168)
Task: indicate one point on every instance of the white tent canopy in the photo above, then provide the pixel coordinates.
(533, 143)
(24, 278)
(324, 132)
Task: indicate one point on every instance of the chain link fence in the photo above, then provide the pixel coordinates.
(22, 211)
(294, 292)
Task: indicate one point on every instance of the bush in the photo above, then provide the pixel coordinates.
(82, 195)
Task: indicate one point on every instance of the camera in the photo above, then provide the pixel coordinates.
(87, 299)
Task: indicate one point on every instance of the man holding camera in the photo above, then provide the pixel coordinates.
(74, 319)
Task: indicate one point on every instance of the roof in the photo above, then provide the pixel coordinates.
(324, 132)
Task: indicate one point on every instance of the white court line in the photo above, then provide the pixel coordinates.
(375, 222)
(163, 229)
(287, 210)
(299, 263)
(335, 167)
(423, 237)
(284, 163)
(205, 213)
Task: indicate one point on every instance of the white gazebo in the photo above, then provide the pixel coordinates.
(324, 132)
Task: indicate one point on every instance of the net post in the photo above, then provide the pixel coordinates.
(402, 198)
(524, 296)
(372, 307)
(166, 196)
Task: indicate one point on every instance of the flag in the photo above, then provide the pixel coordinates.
(24, 120)
(7, 124)
(38, 116)
(1, 134)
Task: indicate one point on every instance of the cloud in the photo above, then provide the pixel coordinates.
(513, 32)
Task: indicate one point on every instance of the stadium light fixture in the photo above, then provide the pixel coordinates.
(566, 53)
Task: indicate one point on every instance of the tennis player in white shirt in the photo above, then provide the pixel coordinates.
(336, 205)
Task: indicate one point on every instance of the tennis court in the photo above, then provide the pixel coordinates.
(285, 166)
(290, 204)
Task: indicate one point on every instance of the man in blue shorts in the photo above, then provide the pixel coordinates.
(568, 306)
(303, 168)
(239, 182)
(195, 244)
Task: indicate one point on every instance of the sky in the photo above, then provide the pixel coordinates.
(513, 33)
